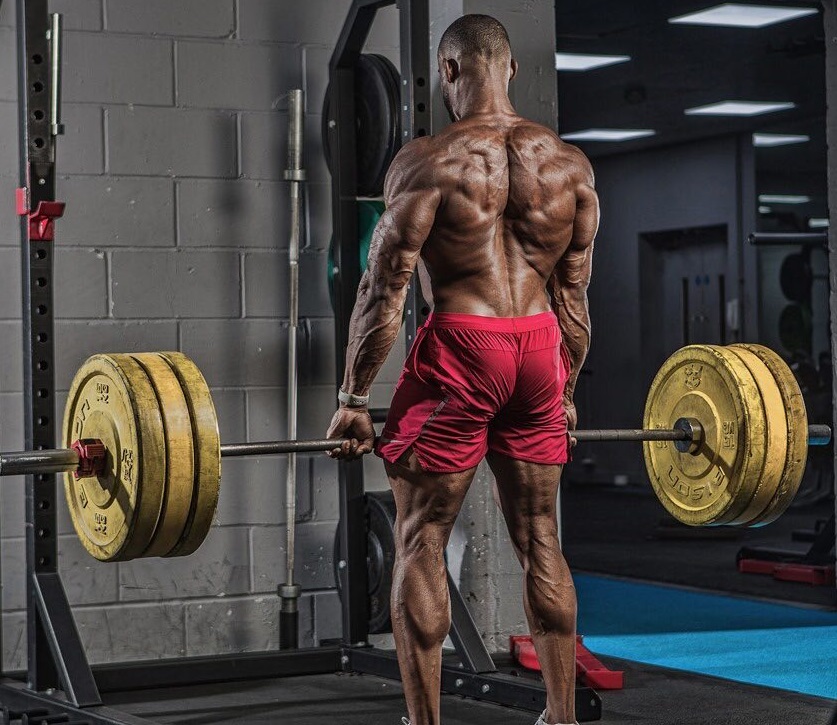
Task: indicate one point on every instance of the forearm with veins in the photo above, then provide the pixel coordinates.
(374, 326)
(570, 303)
(574, 318)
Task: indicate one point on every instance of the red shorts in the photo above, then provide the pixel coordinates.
(471, 384)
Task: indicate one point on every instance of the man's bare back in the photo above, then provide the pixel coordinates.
(500, 216)
(511, 192)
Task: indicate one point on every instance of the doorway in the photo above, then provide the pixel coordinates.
(683, 290)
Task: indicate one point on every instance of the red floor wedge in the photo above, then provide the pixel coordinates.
(816, 575)
(587, 667)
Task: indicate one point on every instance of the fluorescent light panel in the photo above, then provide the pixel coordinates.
(817, 223)
(739, 108)
(735, 15)
(767, 140)
(608, 134)
(584, 61)
(783, 199)
(765, 210)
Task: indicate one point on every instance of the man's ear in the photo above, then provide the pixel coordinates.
(452, 70)
(513, 68)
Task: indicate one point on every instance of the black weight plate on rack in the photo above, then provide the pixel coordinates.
(796, 278)
(795, 331)
(380, 556)
(393, 81)
(378, 122)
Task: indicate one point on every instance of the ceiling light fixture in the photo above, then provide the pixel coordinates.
(608, 134)
(584, 61)
(735, 15)
(817, 223)
(784, 199)
(739, 108)
(766, 140)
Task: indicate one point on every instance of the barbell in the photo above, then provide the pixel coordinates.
(725, 436)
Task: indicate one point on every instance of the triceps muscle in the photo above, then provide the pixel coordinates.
(393, 255)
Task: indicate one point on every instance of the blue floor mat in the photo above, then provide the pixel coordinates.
(781, 646)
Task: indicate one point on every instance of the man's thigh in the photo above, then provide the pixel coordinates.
(528, 496)
(424, 498)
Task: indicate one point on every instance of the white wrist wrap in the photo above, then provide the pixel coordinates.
(350, 400)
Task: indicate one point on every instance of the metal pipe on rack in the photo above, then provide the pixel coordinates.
(289, 592)
(801, 239)
(54, 36)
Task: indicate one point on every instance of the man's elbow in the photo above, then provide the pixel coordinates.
(575, 285)
(393, 288)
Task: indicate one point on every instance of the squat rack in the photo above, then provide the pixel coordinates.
(59, 681)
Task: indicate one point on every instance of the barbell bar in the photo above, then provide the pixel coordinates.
(66, 460)
(725, 438)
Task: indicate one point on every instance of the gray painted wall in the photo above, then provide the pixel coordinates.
(175, 238)
(694, 185)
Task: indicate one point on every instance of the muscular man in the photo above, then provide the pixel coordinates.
(502, 214)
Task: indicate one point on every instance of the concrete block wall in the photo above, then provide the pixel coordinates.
(175, 237)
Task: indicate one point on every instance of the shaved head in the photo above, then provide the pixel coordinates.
(475, 60)
(477, 37)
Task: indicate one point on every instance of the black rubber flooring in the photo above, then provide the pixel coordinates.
(607, 530)
(312, 700)
(617, 531)
(652, 696)
(655, 696)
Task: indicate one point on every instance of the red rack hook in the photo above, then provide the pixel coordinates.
(42, 220)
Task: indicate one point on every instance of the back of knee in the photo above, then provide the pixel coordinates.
(425, 539)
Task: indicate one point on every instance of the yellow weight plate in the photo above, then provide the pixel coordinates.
(796, 417)
(775, 435)
(207, 447)
(180, 458)
(115, 514)
(702, 488)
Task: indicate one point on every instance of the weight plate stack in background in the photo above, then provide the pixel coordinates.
(380, 557)
(368, 214)
(377, 122)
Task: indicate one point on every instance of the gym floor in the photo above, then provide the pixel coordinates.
(655, 697)
(599, 537)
